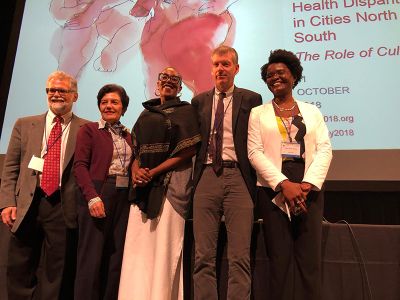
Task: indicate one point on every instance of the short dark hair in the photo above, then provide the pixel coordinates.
(114, 88)
(288, 58)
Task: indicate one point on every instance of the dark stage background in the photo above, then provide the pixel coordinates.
(357, 202)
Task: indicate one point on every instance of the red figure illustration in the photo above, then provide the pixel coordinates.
(93, 28)
(178, 33)
(182, 34)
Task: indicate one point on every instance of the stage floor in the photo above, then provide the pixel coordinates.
(358, 262)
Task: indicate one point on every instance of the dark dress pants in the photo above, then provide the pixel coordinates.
(215, 196)
(293, 248)
(101, 245)
(38, 253)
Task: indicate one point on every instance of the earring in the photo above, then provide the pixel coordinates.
(157, 92)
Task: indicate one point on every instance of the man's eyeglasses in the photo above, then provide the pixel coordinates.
(173, 78)
(52, 91)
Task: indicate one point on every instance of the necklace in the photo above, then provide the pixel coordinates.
(284, 109)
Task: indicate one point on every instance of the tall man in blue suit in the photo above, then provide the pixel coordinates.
(224, 180)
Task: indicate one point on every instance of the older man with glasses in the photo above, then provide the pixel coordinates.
(38, 196)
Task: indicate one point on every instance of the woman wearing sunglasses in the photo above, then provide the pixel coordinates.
(165, 137)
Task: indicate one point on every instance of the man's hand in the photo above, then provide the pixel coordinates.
(9, 215)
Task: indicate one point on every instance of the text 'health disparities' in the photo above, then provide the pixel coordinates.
(331, 19)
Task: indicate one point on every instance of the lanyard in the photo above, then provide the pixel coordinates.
(288, 130)
(217, 126)
(122, 161)
(48, 147)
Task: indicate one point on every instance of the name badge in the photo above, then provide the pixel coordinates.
(290, 150)
(122, 181)
(36, 163)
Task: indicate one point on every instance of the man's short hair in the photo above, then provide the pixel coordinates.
(61, 75)
(222, 50)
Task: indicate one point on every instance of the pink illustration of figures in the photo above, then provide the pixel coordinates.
(182, 34)
(93, 28)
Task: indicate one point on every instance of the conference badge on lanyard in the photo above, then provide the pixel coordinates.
(122, 182)
(290, 150)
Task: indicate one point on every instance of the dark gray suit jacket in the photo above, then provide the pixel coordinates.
(242, 103)
(18, 183)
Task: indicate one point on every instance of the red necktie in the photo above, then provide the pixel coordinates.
(219, 134)
(51, 168)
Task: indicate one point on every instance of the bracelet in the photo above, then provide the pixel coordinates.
(93, 201)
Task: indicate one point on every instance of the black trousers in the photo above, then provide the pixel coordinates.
(41, 255)
(101, 245)
(293, 247)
